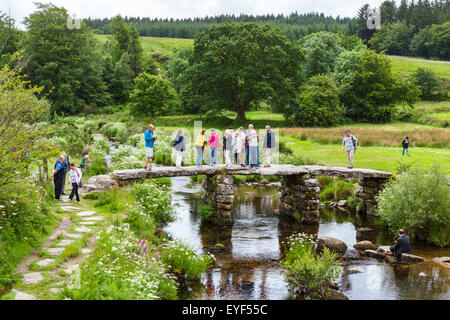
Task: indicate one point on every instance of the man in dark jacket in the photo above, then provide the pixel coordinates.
(58, 175)
(402, 245)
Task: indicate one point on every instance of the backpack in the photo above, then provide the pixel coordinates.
(81, 180)
(353, 141)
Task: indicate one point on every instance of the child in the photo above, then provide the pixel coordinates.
(75, 180)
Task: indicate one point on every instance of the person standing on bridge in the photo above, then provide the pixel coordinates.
(180, 146)
(228, 147)
(200, 143)
(351, 143)
(247, 146)
(253, 148)
(269, 144)
(150, 139)
(213, 146)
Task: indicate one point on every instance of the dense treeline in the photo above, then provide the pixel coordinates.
(294, 26)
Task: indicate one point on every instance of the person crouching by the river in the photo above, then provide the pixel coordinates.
(402, 245)
(58, 175)
(200, 142)
(269, 144)
(213, 146)
(75, 181)
(351, 143)
(405, 144)
(253, 148)
(150, 139)
(180, 146)
(228, 147)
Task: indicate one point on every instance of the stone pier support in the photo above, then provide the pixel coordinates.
(368, 189)
(299, 198)
(219, 192)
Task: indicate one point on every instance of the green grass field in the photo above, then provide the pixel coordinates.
(407, 65)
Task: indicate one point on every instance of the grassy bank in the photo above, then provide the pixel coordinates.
(407, 65)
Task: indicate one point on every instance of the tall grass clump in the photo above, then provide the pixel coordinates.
(335, 189)
(419, 203)
(308, 274)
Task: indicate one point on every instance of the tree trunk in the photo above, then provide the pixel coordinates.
(45, 169)
(240, 113)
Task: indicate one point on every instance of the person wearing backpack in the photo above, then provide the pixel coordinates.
(180, 146)
(75, 180)
(350, 143)
(405, 144)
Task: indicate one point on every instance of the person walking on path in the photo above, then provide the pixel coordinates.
(405, 144)
(200, 143)
(150, 139)
(75, 180)
(180, 146)
(253, 148)
(269, 144)
(58, 175)
(66, 166)
(213, 146)
(351, 143)
(402, 245)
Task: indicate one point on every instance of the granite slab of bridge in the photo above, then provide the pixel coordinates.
(299, 190)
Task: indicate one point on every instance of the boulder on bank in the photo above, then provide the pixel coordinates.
(336, 295)
(375, 254)
(443, 261)
(365, 245)
(331, 243)
(410, 258)
(98, 183)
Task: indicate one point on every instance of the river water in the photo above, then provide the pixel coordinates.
(248, 268)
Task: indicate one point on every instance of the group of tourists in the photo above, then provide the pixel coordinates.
(238, 147)
(61, 168)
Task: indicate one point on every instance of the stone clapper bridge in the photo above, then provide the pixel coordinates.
(299, 190)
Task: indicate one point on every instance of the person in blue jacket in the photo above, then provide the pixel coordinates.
(150, 139)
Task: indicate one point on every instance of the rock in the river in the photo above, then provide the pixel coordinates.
(375, 254)
(410, 258)
(330, 243)
(336, 295)
(342, 203)
(364, 245)
(443, 261)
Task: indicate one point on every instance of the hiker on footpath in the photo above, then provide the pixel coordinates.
(213, 146)
(351, 143)
(75, 181)
(269, 144)
(66, 166)
(405, 144)
(253, 148)
(58, 175)
(200, 143)
(150, 139)
(402, 245)
(180, 146)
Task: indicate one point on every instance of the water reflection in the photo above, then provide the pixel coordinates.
(248, 268)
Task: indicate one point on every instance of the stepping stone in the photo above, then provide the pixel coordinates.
(55, 251)
(73, 236)
(45, 262)
(87, 223)
(32, 278)
(93, 219)
(55, 290)
(64, 243)
(71, 269)
(85, 251)
(86, 213)
(69, 208)
(23, 296)
(82, 229)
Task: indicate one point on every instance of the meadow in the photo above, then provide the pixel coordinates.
(407, 65)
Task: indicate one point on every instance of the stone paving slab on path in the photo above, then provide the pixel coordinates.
(45, 262)
(32, 278)
(82, 229)
(23, 296)
(55, 251)
(86, 213)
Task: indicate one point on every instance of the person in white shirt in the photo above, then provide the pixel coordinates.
(75, 180)
(239, 147)
(253, 148)
(228, 147)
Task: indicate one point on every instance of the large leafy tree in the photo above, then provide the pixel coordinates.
(368, 89)
(236, 66)
(321, 49)
(63, 60)
(392, 38)
(9, 38)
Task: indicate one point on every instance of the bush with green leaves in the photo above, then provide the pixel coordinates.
(428, 83)
(317, 105)
(116, 130)
(136, 140)
(154, 198)
(121, 269)
(184, 261)
(418, 202)
(309, 274)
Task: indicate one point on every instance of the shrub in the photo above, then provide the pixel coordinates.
(308, 274)
(116, 130)
(337, 189)
(428, 83)
(184, 261)
(206, 211)
(418, 202)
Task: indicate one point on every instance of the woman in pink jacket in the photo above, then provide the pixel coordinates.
(213, 146)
